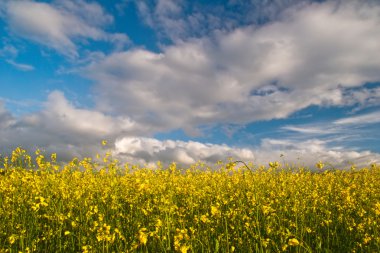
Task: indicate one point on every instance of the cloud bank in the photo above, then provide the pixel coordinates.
(61, 127)
(313, 56)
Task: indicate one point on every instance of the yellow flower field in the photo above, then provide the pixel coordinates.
(83, 206)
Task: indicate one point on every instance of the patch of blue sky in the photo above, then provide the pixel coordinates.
(252, 134)
(128, 22)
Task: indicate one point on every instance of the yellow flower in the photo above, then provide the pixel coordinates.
(274, 165)
(293, 242)
(12, 239)
(320, 165)
(143, 237)
(204, 218)
(215, 211)
(67, 232)
(184, 248)
(53, 157)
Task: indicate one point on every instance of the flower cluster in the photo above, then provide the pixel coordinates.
(84, 206)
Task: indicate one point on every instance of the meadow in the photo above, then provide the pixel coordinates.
(105, 206)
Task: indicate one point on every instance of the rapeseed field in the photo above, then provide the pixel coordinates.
(87, 206)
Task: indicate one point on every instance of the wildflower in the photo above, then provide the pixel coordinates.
(377, 208)
(143, 237)
(67, 233)
(293, 242)
(215, 211)
(184, 248)
(86, 248)
(320, 165)
(53, 157)
(12, 239)
(274, 165)
(204, 218)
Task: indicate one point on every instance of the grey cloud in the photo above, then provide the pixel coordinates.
(61, 127)
(362, 98)
(6, 119)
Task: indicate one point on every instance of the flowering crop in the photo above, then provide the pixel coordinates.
(83, 206)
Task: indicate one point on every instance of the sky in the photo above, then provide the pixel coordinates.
(295, 81)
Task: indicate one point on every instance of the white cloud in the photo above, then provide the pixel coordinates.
(311, 56)
(9, 51)
(70, 131)
(6, 119)
(150, 150)
(308, 152)
(180, 20)
(309, 129)
(66, 116)
(348, 133)
(90, 12)
(20, 66)
(165, 16)
(58, 25)
(61, 127)
(364, 119)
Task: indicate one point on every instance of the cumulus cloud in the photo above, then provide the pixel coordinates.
(59, 24)
(308, 152)
(305, 153)
(61, 127)
(311, 56)
(150, 150)
(70, 131)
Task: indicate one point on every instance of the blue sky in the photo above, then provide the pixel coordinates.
(192, 80)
